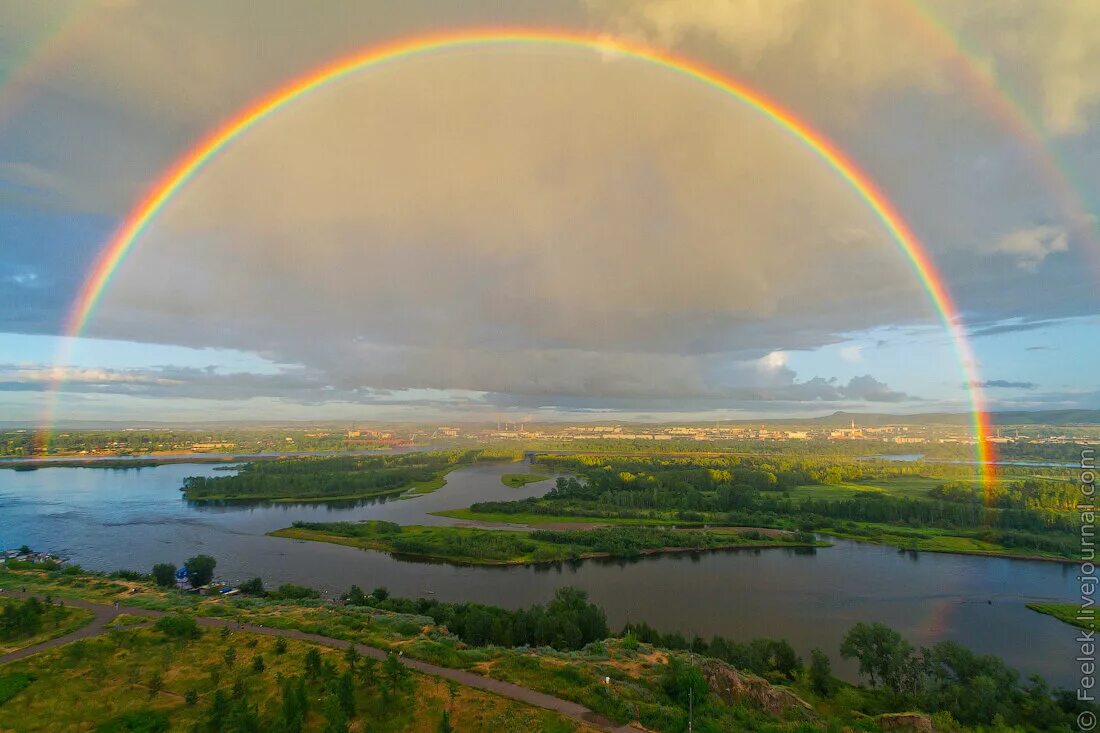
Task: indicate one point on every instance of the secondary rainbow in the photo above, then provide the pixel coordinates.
(1003, 105)
(191, 163)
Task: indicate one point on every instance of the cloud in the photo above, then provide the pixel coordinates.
(1030, 247)
(1006, 384)
(1046, 53)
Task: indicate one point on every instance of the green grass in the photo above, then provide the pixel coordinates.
(1066, 613)
(56, 622)
(905, 487)
(933, 539)
(104, 682)
(12, 684)
(519, 480)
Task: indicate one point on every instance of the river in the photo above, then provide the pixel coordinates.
(106, 518)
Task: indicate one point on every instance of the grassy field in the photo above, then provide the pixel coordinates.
(1066, 613)
(143, 674)
(905, 487)
(932, 539)
(56, 622)
(519, 480)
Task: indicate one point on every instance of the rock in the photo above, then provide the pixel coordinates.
(905, 722)
(735, 687)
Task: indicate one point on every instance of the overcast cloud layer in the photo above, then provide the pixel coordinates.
(532, 228)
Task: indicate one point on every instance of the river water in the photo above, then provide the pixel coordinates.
(106, 519)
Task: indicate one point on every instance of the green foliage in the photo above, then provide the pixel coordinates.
(821, 673)
(12, 684)
(138, 721)
(178, 626)
(293, 592)
(200, 569)
(883, 655)
(328, 478)
(164, 574)
(22, 620)
(684, 683)
(252, 587)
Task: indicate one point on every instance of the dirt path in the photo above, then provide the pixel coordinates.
(104, 614)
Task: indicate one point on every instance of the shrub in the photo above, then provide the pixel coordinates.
(178, 626)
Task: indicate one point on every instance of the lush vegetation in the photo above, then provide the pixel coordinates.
(1070, 613)
(1025, 517)
(490, 547)
(519, 480)
(331, 478)
(200, 679)
(23, 623)
(153, 680)
(569, 621)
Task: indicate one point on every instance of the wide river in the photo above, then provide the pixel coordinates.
(106, 519)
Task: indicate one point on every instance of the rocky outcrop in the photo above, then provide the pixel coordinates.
(735, 687)
(906, 722)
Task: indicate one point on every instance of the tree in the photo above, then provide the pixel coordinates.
(191, 697)
(313, 665)
(200, 569)
(380, 593)
(253, 587)
(258, 663)
(280, 645)
(295, 705)
(230, 656)
(683, 682)
(884, 656)
(394, 671)
(351, 656)
(336, 720)
(344, 689)
(156, 684)
(821, 676)
(164, 573)
(445, 723)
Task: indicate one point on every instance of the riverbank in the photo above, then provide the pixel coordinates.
(475, 546)
(1067, 613)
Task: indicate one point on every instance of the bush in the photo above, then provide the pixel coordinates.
(164, 574)
(253, 587)
(12, 684)
(178, 626)
(138, 721)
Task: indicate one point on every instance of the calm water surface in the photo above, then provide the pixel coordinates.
(113, 518)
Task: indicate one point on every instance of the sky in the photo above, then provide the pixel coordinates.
(547, 233)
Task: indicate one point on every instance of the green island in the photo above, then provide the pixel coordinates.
(1069, 613)
(247, 667)
(336, 478)
(1024, 513)
(519, 480)
(471, 546)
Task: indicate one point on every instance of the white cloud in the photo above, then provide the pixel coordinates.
(1030, 247)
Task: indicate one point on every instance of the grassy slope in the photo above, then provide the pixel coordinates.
(109, 675)
(67, 621)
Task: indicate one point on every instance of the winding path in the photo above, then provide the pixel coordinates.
(105, 613)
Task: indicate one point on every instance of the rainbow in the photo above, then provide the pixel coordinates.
(191, 163)
(1002, 104)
